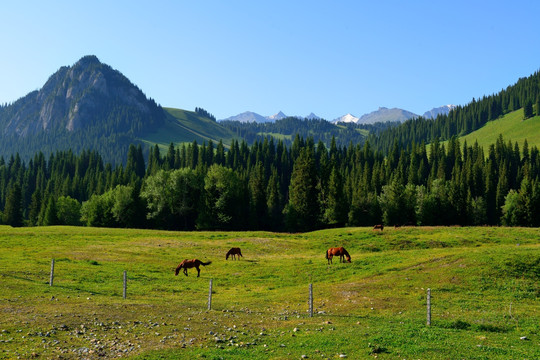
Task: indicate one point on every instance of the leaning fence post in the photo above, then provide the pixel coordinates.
(310, 300)
(210, 296)
(428, 307)
(125, 283)
(52, 273)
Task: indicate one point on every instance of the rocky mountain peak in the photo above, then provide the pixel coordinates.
(76, 97)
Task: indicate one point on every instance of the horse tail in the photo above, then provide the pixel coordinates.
(240, 252)
(326, 254)
(206, 263)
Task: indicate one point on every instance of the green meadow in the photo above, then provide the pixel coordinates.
(484, 281)
(182, 126)
(511, 126)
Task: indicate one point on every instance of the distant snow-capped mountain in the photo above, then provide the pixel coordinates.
(381, 115)
(312, 116)
(443, 110)
(250, 116)
(346, 119)
(280, 115)
(384, 115)
(247, 117)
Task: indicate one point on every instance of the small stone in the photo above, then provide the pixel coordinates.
(342, 355)
(295, 329)
(304, 356)
(524, 338)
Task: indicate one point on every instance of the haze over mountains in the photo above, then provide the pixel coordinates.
(383, 114)
(443, 110)
(250, 116)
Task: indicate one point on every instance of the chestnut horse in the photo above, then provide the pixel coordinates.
(233, 252)
(330, 253)
(187, 264)
(379, 226)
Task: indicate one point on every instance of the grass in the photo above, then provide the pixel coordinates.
(511, 126)
(484, 283)
(182, 126)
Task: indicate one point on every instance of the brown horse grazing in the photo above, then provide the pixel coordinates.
(330, 253)
(233, 252)
(379, 226)
(187, 264)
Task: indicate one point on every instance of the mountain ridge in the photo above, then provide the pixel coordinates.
(88, 105)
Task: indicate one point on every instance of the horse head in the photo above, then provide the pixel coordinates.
(178, 268)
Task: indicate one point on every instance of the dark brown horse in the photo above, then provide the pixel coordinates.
(330, 253)
(379, 226)
(188, 264)
(233, 252)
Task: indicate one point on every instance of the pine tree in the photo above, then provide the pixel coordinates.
(13, 214)
(274, 200)
(35, 206)
(51, 213)
(257, 191)
(527, 110)
(303, 208)
(336, 210)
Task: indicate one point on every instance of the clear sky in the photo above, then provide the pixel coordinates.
(328, 57)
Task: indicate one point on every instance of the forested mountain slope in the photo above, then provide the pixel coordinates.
(85, 106)
(183, 126)
(512, 126)
(463, 120)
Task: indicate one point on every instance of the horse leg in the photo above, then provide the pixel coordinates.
(185, 271)
(198, 272)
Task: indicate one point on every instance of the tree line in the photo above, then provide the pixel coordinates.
(319, 129)
(272, 186)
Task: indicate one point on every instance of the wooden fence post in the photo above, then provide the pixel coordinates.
(428, 307)
(125, 284)
(210, 296)
(310, 300)
(51, 280)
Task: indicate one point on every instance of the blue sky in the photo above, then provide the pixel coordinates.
(326, 57)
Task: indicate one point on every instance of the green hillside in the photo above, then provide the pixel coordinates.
(182, 126)
(483, 281)
(511, 126)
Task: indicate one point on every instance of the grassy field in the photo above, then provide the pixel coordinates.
(182, 126)
(511, 126)
(484, 283)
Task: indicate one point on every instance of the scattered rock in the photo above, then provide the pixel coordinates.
(524, 338)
